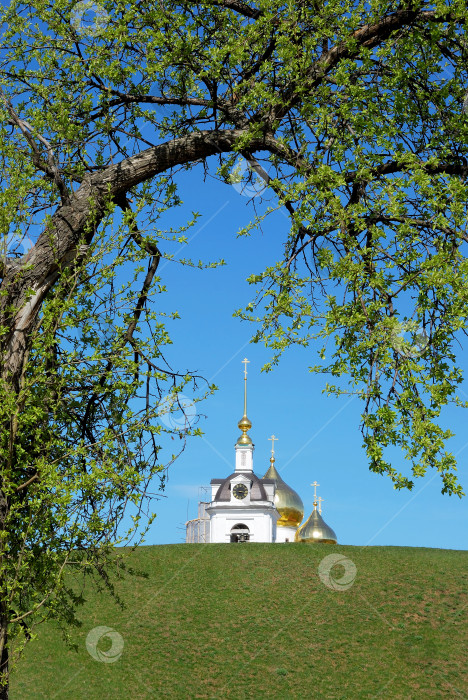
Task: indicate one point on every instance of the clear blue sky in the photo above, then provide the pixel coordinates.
(319, 437)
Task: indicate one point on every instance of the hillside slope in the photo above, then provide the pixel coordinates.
(257, 621)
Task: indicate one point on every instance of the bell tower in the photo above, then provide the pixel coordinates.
(244, 446)
(242, 505)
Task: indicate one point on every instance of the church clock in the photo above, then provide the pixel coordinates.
(240, 491)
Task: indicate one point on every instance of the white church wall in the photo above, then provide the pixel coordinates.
(285, 533)
(261, 525)
(214, 490)
(244, 458)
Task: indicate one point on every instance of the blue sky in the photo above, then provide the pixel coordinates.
(319, 437)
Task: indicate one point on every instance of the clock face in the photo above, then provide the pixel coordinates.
(240, 491)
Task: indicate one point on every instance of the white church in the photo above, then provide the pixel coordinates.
(246, 508)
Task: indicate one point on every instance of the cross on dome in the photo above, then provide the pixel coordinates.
(272, 438)
(315, 484)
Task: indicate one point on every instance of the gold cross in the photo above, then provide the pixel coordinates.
(273, 438)
(245, 361)
(315, 484)
(320, 504)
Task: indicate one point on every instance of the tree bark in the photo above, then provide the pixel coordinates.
(4, 680)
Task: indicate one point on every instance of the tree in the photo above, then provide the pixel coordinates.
(350, 117)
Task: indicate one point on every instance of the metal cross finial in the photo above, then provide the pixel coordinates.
(245, 362)
(315, 484)
(273, 438)
(320, 504)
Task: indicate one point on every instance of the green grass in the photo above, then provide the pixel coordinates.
(256, 621)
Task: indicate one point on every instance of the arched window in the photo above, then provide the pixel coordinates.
(240, 533)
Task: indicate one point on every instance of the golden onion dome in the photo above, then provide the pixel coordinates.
(244, 424)
(288, 503)
(315, 529)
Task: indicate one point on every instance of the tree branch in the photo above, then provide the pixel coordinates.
(50, 168)
(368, 36)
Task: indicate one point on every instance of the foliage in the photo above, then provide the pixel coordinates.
(365, 106)
(351, 114)
(87, 429)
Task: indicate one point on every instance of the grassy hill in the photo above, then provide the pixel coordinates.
(256, 621)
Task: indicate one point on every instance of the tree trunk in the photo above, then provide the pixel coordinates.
(4, 680)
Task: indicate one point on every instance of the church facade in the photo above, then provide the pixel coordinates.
(242, 506)
(247, 508)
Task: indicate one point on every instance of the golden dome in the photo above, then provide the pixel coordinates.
(288, 503)
(315, 529)
(244, 424)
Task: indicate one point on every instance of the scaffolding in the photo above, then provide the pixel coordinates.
(198, 529)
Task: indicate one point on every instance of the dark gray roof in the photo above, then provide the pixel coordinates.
(257, 490)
